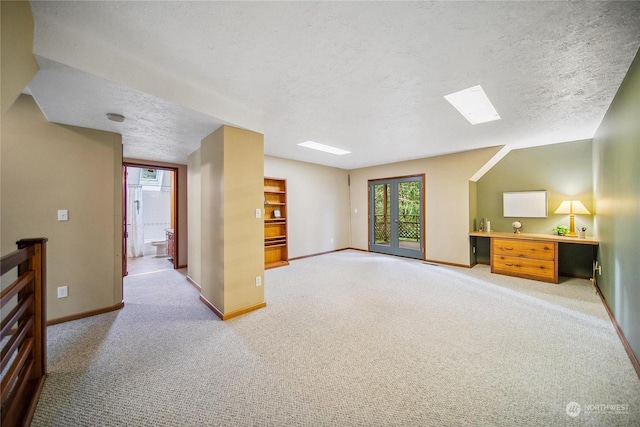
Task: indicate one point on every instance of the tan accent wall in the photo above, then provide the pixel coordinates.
(231, 171)
(317, 205)
(447, 201)
(18, 66)
(47, 167)
(194, 217)
(183, 246)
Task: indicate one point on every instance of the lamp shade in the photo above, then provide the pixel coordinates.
(572, 207)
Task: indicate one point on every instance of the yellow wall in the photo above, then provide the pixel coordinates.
(183, 247)
(447, 201)
(212, 218)
(317, 205)
(194, 216)
(232, 243)
(46, 167)
(18, 64)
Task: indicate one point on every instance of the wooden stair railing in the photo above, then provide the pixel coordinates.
(23, 331)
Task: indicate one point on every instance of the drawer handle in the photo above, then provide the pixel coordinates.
(508, 264)
(508, 249)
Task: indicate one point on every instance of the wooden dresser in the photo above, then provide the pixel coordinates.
(525, 258)
(531, 256)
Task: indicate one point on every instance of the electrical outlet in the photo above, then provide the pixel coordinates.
(63, 215)
(258, 281)
(63, 291)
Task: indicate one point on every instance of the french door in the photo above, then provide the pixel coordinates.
(396, 216)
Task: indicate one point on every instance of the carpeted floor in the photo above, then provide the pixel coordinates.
(347, 339)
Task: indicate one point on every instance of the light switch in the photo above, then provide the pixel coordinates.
(63, 215)
(258, 213)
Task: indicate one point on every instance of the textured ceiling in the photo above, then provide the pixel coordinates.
(368, 77)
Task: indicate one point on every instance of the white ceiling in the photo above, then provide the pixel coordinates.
(368, 77)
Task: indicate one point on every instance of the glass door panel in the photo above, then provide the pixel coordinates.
(409, 222)
(382, 214)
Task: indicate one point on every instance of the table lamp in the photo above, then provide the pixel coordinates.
(572, 207)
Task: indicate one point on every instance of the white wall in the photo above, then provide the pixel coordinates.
(317, 205)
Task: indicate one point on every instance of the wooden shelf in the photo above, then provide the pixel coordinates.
(275, 227)
(276, 264)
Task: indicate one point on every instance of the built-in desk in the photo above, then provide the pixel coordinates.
(532, 256)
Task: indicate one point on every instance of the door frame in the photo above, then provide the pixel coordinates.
(423, 216)
(174, 208)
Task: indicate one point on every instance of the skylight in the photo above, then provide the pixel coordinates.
(474, 105)
(323, 147)
(151, 179)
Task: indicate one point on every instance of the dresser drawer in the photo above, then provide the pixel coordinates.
(524, 248)
(524, 267)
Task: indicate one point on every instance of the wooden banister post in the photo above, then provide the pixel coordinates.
(37, 263)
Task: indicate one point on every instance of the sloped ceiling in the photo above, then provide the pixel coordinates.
(368, 77)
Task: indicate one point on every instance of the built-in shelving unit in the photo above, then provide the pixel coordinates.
(275, 223)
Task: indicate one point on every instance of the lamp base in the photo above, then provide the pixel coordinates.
(572, 226)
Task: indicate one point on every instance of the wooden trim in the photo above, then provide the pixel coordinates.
(244, 310)
(453, 264)
(275, 264)
(15, 258)
(212, 307)
(194, 283)
(183, 266)
(176, 196)
(85, 314)
(423, 194)
(124, 220)
(319, 253)
(416, 175)
(31, 409)
(623, 339)
(231, 314)
(357, 249)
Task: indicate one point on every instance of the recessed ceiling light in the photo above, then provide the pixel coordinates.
(325, 148)
(474, 105)
(115, 117)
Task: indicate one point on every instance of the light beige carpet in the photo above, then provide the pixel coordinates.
(347, 339)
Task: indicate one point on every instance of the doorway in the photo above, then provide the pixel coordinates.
(149, 219)
(396, 216)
